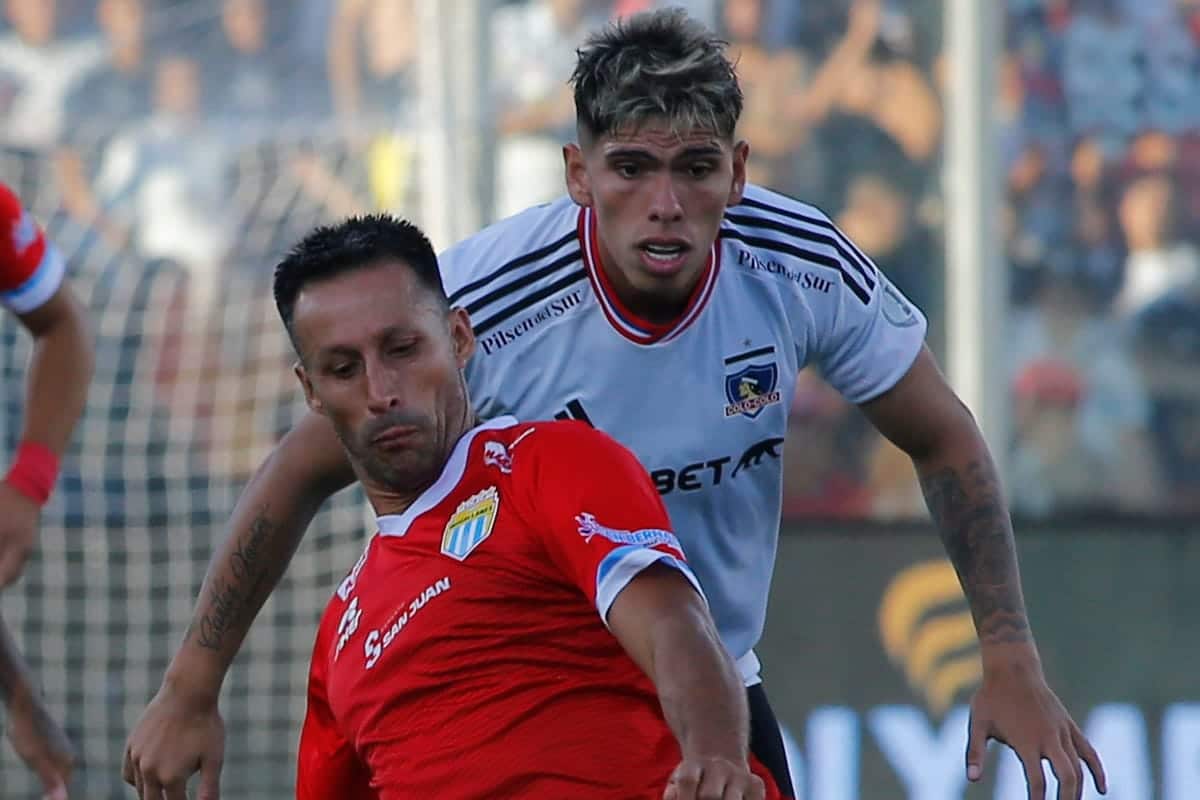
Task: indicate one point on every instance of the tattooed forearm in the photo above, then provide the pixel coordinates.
(968, 507)
(233, 592)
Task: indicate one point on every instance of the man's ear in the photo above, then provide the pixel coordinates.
(579, 183)
(463, 336)
(310, 396)
(741, 154)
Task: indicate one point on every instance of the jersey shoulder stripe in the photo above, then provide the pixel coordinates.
(803, 232)
(811, 256)
(516, 263)
(827, 232)
(530, 299)
(526, 278)
(510, 256)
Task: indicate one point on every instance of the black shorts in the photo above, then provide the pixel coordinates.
(766, 740)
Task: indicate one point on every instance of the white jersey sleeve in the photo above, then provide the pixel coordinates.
(863, 333)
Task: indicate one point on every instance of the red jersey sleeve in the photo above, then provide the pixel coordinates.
(327, 765)
(31, 270)
(598, 512)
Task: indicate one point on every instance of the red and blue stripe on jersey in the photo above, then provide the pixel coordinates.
(31, 270)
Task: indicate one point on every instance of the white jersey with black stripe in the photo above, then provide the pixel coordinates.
(703, 402)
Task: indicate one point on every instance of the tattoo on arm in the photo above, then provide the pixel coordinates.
(969, 510)
(229, 601)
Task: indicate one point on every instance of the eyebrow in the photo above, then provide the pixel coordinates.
(637, 153)
(335, 350)
(387, 334)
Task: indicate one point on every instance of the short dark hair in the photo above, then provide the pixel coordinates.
(353, 244)
(655, 64)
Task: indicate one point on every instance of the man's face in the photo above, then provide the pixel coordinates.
(245, 23)
(659, 197)
(34, 20)
(177, 87)
(743, 18)
(382, 360)
(123, 21)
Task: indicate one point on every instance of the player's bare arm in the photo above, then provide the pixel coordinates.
(268, 522)
(664, 625)
(924, 417)
(181, 727)
(55, 393)
(34, 734)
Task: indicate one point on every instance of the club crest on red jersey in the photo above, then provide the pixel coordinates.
(471, 523)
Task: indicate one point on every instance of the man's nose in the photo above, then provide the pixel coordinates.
(664, 205)
(383, 389)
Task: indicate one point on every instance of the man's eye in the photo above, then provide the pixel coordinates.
(629, 170)
(700, 170)
(345, 370)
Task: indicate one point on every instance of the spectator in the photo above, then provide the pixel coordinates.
(1111, 414)
(1100, 73)
(38, 71)
(879, 218)
(241, 62)
(164, 182)
(883, 109)
(1098, 242)
(371, 66)
(372, 57)
(534, 111)
(119, 90)
(769, 80)
(1160, 260)
(113, 97)
(1167, 340)
(1053, 470)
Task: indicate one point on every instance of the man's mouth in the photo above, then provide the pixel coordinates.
(663, 256)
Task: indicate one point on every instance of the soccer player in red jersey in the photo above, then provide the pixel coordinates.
(31, 285)
(524, 623)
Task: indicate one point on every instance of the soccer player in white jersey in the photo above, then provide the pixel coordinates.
(32, 287)
(668, 303)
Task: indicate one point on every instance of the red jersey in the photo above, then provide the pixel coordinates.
(31, 270)
(466, 655)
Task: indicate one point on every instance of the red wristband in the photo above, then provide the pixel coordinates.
(34, 471)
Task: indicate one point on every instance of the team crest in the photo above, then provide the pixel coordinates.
(752, 387)
(471, 523)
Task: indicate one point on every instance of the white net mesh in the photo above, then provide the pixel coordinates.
(170, 238)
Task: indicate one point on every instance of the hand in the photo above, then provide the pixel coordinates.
(714, 779)
(41, 744)
(1018, 709)
(864, 19)
(174, 739)
(18, 532)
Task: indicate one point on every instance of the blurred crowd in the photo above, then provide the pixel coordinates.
(199, 137)
(1100, 132)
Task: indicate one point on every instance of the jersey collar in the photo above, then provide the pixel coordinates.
(398, 524)
(627, 323)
